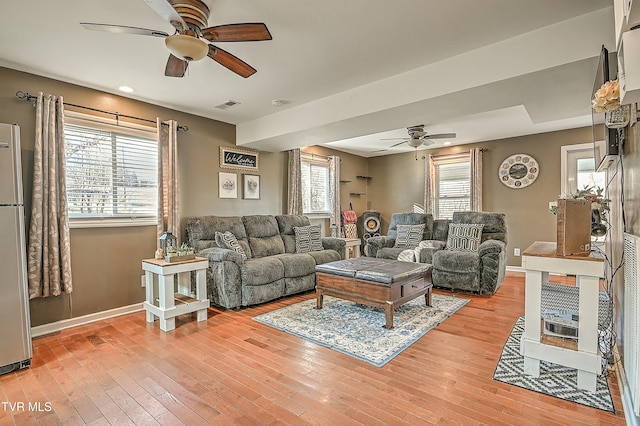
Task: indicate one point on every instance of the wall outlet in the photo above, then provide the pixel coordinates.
(516, 252)
(143, 281)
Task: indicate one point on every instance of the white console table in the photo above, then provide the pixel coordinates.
(170, 304)
(538, 260)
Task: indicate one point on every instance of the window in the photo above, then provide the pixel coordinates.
(578, 169)
(316, 189)
(452, 185)
(112, 173)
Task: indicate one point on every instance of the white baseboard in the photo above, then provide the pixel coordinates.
(515, 269)
(55, 327)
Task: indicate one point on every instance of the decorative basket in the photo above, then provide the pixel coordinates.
(175, 257)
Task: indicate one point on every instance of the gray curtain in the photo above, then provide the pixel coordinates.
(294, 205)
(334, 173)
(49, 257)
(475, 157)
(429, 185)
(168, 194)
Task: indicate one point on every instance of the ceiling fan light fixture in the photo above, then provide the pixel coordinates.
(414, 143)
(186, 47)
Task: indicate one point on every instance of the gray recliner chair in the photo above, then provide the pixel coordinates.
(482, 271)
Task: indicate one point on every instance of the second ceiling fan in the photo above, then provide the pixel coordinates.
(418, 137)
(191, 40)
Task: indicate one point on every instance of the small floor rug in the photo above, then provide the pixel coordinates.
(357, 330)
(554, 380)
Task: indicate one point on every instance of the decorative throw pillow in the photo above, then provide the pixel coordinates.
(228, 241)
(464, 236)
(408, 236)
(308, 238)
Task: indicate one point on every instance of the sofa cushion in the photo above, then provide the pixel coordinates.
(228, 240)
(297, 265)
(409, 236)
(464, 236)
(389, 253)
(286, 222)
(495, 224)
(324, 256)
(259, 271)
(308, 238)
(263, 235)
(456, 261)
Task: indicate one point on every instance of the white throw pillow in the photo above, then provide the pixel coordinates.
(229, 241)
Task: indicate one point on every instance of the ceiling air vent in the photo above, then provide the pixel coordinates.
(228, 104)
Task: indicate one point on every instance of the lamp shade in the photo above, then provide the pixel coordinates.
(414, 142)
(186, 47)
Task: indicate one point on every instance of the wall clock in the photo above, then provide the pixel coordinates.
(518, 171)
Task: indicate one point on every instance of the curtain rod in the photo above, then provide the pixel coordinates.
(312, 155)
(30, 98)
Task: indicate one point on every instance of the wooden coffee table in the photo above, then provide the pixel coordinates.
(382, 283)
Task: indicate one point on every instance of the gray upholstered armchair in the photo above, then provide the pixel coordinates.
(480, 271)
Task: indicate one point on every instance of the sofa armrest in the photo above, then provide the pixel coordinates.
(493, 265)
(333, 243)
(224, 281)
(376, 243)
(426, 249)
(218, 254)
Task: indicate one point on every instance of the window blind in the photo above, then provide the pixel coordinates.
(316, 191)
(453, 187)
(110, 174)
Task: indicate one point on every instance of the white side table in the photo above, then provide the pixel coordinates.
(352, 242)
(171, 304)
(538, 260)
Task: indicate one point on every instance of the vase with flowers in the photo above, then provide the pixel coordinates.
(599, 208)
(607, 100)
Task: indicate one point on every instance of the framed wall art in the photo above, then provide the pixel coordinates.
(518, 171)
(233, 158)
(227, 185)
(250, 187)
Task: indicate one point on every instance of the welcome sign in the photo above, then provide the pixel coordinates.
(233, 158)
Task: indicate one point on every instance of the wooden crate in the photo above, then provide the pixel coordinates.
(573, 227)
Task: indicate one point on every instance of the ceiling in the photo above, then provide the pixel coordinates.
(350, 72)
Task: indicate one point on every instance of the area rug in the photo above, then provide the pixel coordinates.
(554, 380)
(357, 330)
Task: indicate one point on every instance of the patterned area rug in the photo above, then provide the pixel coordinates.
(554, 380)
(357, 330)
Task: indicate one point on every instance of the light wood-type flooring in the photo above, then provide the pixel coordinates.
(233, 370)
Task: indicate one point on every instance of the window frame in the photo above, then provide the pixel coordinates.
(443, 160)
(323, 162)
(129, 129)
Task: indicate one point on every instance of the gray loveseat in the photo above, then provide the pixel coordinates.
(272, 269)
(480, 271)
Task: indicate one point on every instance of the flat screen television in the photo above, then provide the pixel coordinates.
(605, 141)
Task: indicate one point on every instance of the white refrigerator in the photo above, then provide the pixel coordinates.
(15, 325)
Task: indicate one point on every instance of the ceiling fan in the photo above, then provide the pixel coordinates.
(418, 137)
(190, 40)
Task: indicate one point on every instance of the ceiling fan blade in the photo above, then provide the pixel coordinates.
(440, 136)
(176, 67)
(399, 143)
(122, 29)
(168, 13)
(230, 61)
(380, 150)
(237, 32)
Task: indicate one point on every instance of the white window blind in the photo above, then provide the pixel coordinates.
(453, 185)
(111, 173)
(316, 190)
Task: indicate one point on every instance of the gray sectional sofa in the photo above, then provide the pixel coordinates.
(480, 271)
(272, 269)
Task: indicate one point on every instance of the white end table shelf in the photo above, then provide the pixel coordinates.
(538, 260)
(170, 303)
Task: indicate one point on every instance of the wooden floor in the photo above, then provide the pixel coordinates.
(233, 370)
